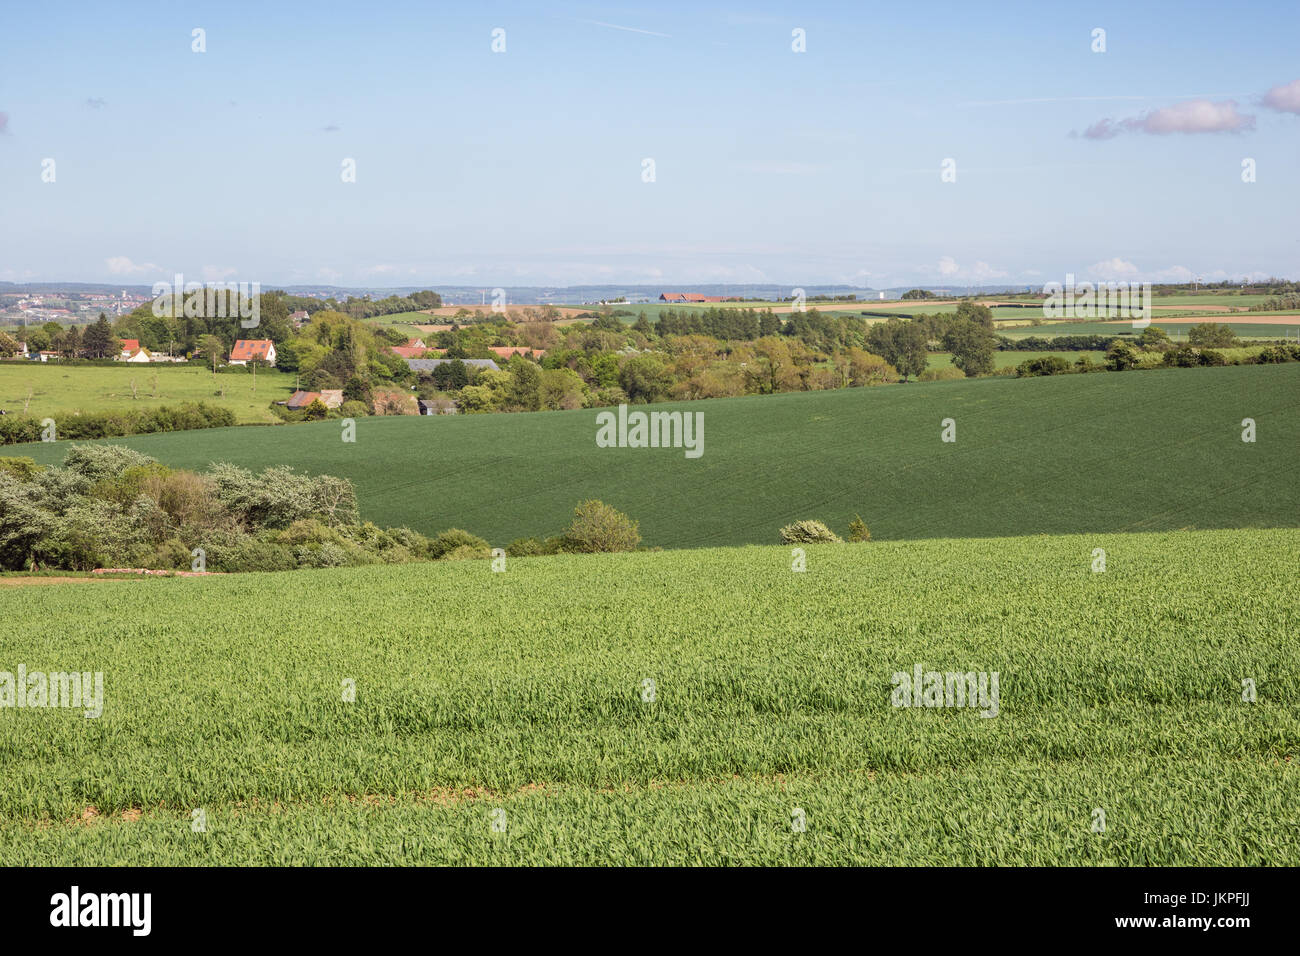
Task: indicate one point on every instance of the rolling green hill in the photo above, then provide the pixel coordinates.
(677, 707)
(1135, 451)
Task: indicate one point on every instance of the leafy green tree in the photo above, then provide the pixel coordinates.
(902, 343)
(975, 312)
(644, 378)
(972, 346)
(1211, 335)
(524, 391)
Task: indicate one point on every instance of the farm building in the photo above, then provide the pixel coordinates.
(329, 397)
(253, 350)
(437, 406)
(301, 399)
(695, 297)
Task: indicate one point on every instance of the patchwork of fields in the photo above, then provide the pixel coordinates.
(522, 699)
(1132, 451)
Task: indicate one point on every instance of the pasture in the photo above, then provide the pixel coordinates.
(675, 708)
(57, 389)
(1112, 452)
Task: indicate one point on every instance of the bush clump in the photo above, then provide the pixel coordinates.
(808, 532)
(598, 528)
(455, 538)
(858, 530)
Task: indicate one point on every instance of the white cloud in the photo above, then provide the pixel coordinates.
(979, 272)
(1115, 268)
(122, 266)
(1285, 98)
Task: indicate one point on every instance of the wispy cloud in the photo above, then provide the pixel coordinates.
(615, 26)
(1094, 99)
(1192, 116)
(1285, 98)
(779, 168)
(332, 128)
(96, 102)
(122, 266)
(4, 122)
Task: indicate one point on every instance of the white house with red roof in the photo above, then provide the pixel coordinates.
(253, 350)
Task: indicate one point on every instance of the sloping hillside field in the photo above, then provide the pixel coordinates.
(708, 706)
(1133, 451)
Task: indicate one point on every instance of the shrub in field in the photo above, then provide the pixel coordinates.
(453, 538)
(949, 374)
(1121, 356)
(1212, 334)
(808, 532)
(598, 528)
(1213, 357)
(466, 552)
(24, 468)
(103, 461)
(233, 551)
(525, 548)
(1044, 365)
(858, 530)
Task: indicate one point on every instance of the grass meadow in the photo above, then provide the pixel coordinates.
(57, 389)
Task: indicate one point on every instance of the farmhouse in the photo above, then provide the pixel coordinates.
(139, 356)
(129, 348)
(253, 350)
(332, 397)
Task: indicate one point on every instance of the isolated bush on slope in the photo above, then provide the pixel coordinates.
(599, 528)
(808, 532)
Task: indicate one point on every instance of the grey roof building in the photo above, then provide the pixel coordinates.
(428, 365)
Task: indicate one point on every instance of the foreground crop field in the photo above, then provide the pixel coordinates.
(521, 699)
(66, 390)
(1133, 451)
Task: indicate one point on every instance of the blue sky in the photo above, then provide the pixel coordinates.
(525, 167)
